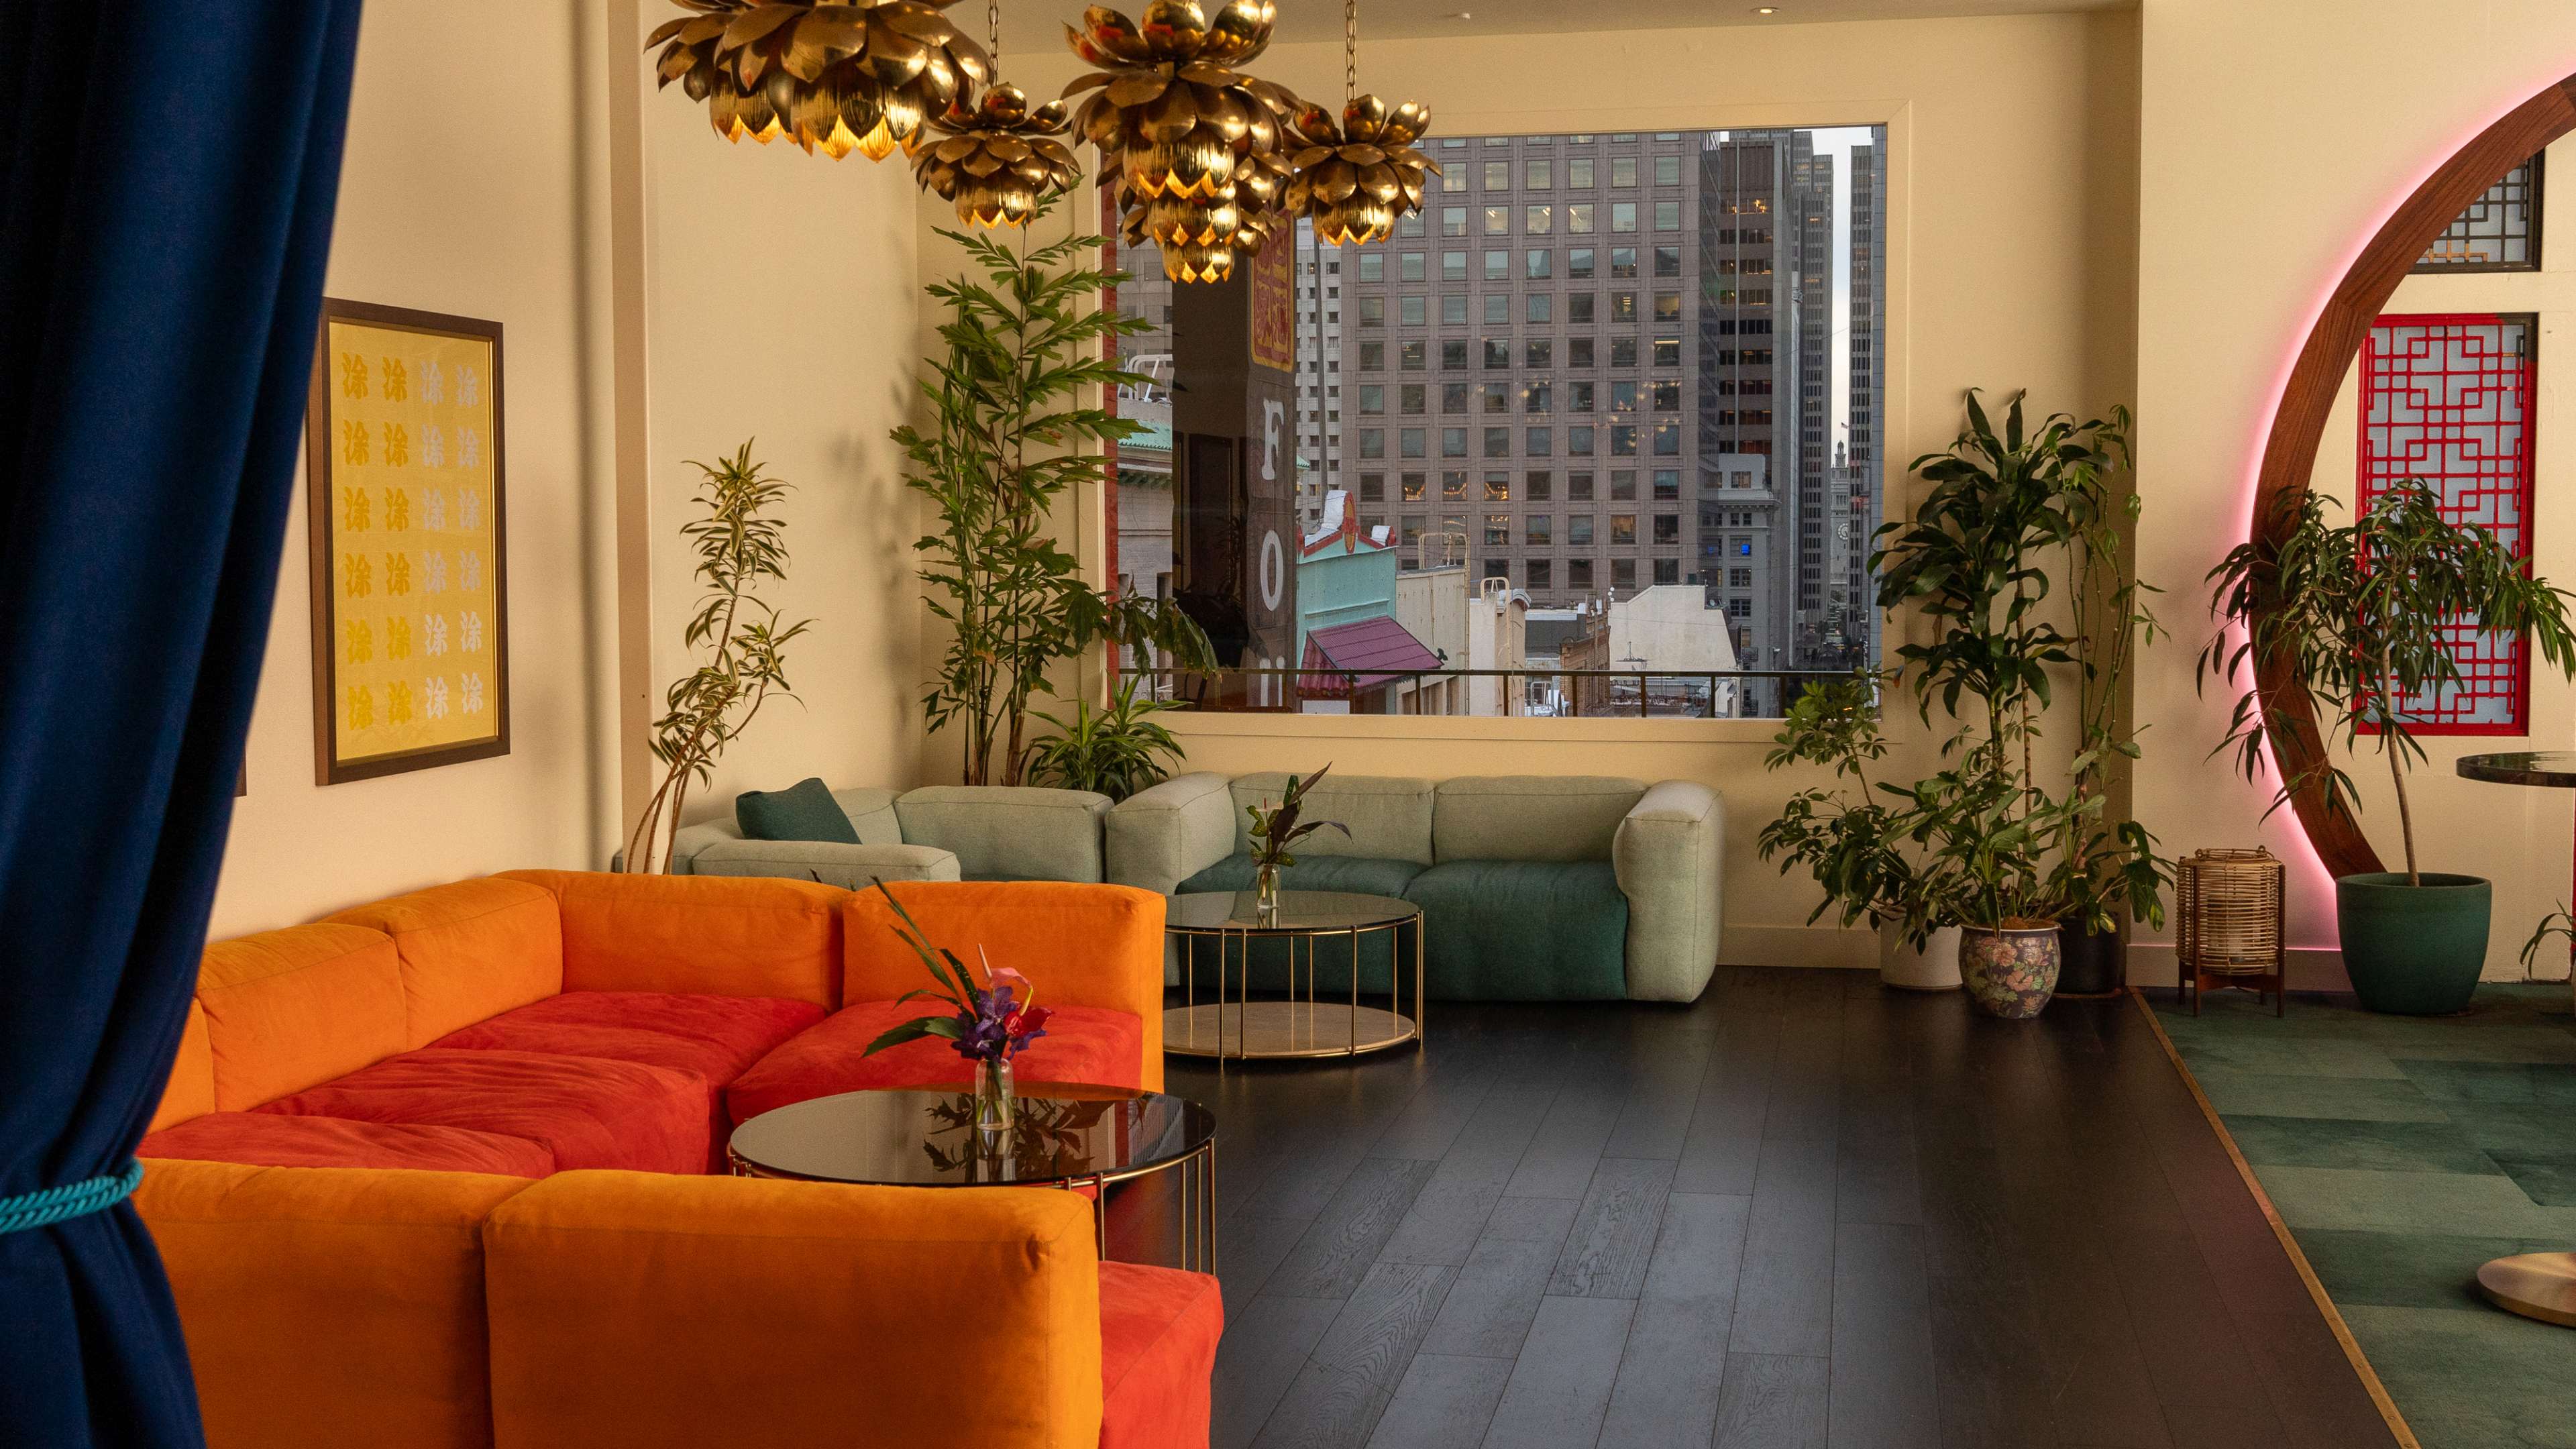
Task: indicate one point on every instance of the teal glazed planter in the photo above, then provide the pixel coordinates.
(2413, 950)
(2009, 973)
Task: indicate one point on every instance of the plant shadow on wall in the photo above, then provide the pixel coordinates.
(1009, 436)
(738, 544)
(2362, 614)
(2017, 861)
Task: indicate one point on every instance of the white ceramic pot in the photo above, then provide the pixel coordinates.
(1934, 968)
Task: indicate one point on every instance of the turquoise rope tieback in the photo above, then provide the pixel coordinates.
(71, 1200)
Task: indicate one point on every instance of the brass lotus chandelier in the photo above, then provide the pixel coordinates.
(1000, 159)
(1206, 161)
(1356, 178)
(1192, 146)
(835, 78)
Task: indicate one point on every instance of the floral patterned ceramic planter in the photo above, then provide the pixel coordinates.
(2009, 973)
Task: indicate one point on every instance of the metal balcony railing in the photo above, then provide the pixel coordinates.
(1546, 692)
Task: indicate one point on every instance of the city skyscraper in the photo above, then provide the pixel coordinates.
(1593, 364)
(1867, 383)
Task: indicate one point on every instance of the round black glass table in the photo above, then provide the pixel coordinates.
(1236, 1026)
(1062, 1134)
(2535, 1285)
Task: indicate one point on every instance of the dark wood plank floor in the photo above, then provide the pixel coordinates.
(1804, 1211)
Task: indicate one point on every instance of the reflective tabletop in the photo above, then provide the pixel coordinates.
(1301, 913)
(2554, 768)
(1062, 1132)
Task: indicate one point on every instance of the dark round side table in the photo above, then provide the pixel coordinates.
(2535, 1285)
(1237, 1026)
(1062, 1134)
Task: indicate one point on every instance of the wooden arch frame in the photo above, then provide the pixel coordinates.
(2308, 396)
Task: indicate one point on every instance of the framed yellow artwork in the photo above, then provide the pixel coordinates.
(411, 636)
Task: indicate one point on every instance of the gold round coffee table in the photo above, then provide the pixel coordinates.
(1311, 1025)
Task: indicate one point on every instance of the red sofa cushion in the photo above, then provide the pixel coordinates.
(588, 1111)
(716, 1037)
(1087, 1044)
(267, 1139)
(1158, 1334)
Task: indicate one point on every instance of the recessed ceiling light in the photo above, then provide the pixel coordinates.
(1766, 9)
(1462, 15)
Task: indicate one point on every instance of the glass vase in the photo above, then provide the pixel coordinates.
(993, 1107)
(1265, 891)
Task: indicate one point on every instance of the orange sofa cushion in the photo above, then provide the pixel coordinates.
(586, 1111)
(191, 1089)
(469, 950)
(270, 1139)
(1082, 1044)
(1079, 945)
(288, 1009)
(633, 1309)
(717, 1037)
(326, 1307)
(1158, 1335)
(697, 934)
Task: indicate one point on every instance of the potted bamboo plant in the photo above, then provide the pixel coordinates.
(1009, 432)
(2361, 615)
(1999, 848)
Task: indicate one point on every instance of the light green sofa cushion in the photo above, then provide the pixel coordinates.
(1530, 817)
(1008, 832)
(1513, 930)
(1164, 834)
(1389, 816)
(1670, 855)
(871, 814)
(851, 867)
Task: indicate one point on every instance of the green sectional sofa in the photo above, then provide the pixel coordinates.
(938, 832)
(1532, 887)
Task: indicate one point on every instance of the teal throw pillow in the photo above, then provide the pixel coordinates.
(802, 811)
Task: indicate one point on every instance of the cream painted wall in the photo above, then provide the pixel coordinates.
(452, 201)
(782, 307)
(777, 303)
(2032, 291)
(2276, 137)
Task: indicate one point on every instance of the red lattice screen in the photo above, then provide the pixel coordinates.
(2448, 399)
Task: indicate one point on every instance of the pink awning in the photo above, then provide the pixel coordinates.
(1379, 651)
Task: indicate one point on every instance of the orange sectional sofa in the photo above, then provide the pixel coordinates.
(339, 1177)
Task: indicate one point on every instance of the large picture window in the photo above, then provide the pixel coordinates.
(1636, 356)
(2448, 399)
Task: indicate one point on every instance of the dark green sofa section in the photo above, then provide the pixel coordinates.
(1500, 930)
(1532, 888)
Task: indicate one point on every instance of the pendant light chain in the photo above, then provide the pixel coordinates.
(1350, 51)
(993, 29)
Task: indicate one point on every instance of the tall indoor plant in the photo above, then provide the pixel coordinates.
(2001, 849)
(2105, 869)
(739, 543)
(1009, 433)
(2358, 615)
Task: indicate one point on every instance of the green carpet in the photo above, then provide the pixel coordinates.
(2403, 1152)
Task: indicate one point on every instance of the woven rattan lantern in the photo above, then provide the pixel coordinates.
(2230, 905)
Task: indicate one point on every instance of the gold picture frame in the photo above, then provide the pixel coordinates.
(411, 633)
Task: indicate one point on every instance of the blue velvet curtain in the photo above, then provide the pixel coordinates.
(167, 174)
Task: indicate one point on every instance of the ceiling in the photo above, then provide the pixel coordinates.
(1026, 23)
